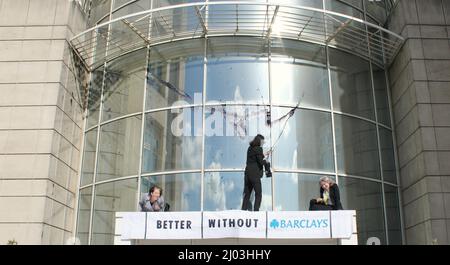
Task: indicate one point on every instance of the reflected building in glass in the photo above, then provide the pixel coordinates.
(178, 89)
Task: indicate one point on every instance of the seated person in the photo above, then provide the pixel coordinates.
(153, 201)
(329, 196)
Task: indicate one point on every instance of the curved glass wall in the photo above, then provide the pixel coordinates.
(376, 11)
(181, 114)
(223, 191)
(180, 191)
(172, 140)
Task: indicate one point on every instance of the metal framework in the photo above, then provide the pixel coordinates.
(234, 18)
(107, 41)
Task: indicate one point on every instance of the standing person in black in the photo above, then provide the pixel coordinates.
(330, 198)
(254, 173)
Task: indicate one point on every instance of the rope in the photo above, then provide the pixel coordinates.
(288, 115)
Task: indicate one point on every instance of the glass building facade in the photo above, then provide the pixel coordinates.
(180, 112)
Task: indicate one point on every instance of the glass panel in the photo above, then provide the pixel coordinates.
(377, 9)
(84, 212)
(376, 48)
(300, 78)
(303, 141)
(98, 10)
(118, 196)
(175, 74)
(186, 21)
(172, 140)
(99, 52)
(297, 23)
(119, 3)
(128, 35)
(352, 87)
(228, 131)
(366, 198)
(238, 18)
(119, 148)
(293, 191)
(263, 1)
(161, 3)
(238, 73)
(344, 8)
(347, 34)
(355, 3)
(299, 50)
(224, 191)
(371, 20)
(176, 23)
(224, 17)
(94, 97)
(393, 215)
(124, 85)
(379, 80)
(90, 144)
(104, 20)
(133, 6)
(387, 156)
(181, 191)
(356, 147)
(310, 3)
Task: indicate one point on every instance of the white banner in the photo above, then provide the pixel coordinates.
(342, 224)
(174, 225)
(236, 224)
(313, 224)
(130, 224)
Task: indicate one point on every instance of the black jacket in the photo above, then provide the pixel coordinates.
(255, 162)
(335, 197)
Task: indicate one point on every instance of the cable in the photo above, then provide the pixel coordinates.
(170, 86)
(288, 115)
(268, 111)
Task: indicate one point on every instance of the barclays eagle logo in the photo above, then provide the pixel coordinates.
(274, 224)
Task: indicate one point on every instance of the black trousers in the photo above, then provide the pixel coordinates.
(314, 206)
(252, 183)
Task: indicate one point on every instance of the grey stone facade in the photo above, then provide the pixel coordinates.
(420, 87)
(40, 121)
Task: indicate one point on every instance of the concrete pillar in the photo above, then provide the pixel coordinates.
(40, 121)
(420, 86)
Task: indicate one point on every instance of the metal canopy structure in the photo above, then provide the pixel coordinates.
(121, 35)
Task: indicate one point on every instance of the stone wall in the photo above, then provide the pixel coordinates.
(40, 121)
(420, 93)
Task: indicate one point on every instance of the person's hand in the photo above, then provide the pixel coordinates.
(266, 154)
(156, 207)
(319, 200)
